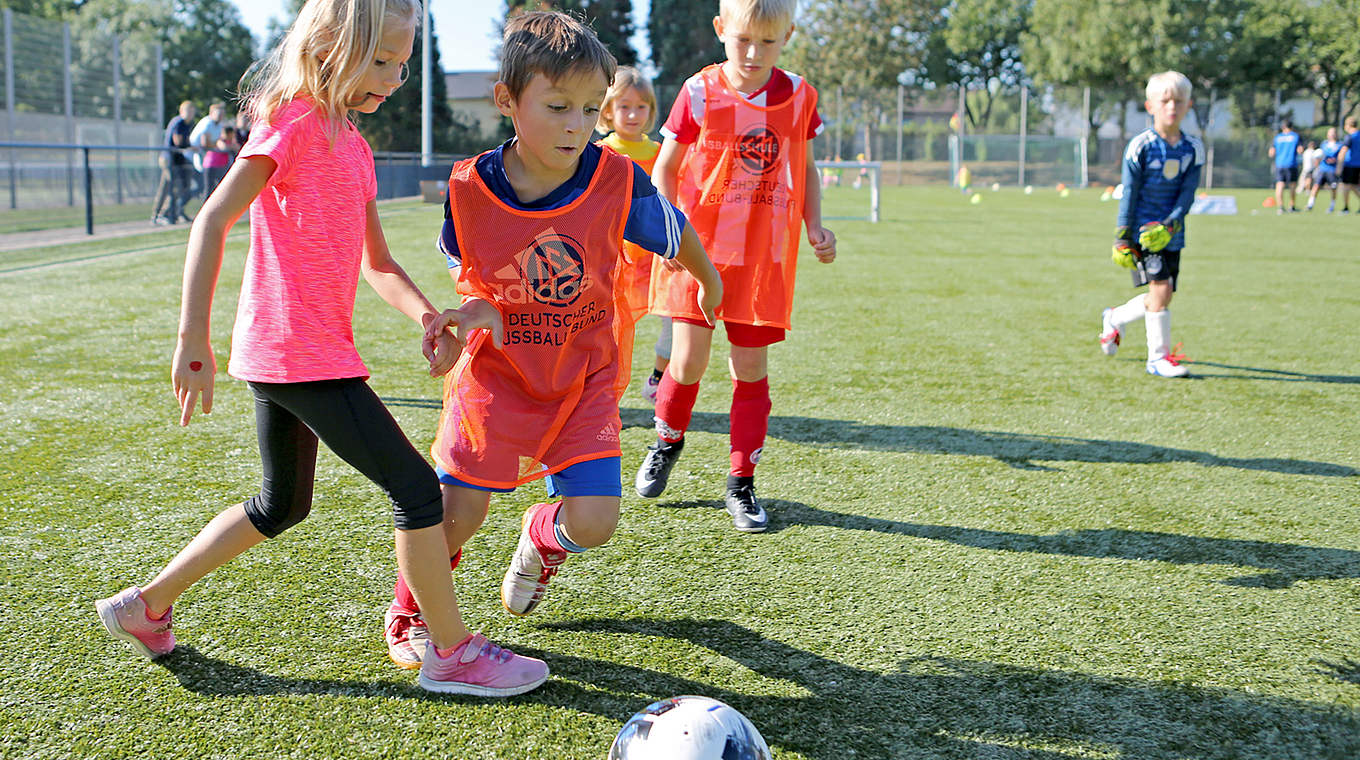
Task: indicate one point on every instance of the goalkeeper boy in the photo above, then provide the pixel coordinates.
(1161, 172)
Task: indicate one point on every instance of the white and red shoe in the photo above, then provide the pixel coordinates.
(406, 635)
(526, 580)
(1109, 334)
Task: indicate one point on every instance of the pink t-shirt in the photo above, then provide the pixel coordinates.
(294, 319)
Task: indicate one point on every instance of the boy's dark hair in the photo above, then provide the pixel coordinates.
(552, 44)
(1286, 124)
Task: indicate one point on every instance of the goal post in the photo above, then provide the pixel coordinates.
(849, 171)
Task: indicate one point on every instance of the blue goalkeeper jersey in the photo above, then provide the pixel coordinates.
(1159, 182)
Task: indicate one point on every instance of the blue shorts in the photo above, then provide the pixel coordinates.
(593, 477)
(1287, 174)
(1325, 176)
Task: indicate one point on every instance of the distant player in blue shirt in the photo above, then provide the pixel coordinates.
(1350, 164)
(1285, 151)
(1161, 172)
(1326, 172)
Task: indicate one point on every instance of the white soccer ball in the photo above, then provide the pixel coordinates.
(689, 728)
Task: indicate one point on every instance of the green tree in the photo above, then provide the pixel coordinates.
(612, 21)
(682, 41)
(978, 46)
(53, 10)
(1329, 56)
(861, 48)
(207, 48)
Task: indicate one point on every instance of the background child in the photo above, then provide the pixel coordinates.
(307, 177)
(744, 126)
(1285, 150)
(1312, 155)
(627, 114)
(1161, 171)
(1325, 174)
(533, 229)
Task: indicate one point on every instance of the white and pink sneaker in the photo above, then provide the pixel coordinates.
(482, 669)
(125, 616)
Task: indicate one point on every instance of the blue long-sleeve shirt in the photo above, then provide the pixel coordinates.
(1159, 182)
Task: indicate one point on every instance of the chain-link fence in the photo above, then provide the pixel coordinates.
(1042, 136)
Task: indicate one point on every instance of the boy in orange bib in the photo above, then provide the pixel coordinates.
(533, 233)
(737, 159)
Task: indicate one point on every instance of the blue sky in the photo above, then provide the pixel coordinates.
(466, 28)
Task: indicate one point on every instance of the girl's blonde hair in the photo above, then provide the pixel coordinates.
(626, 78)
(323, 56)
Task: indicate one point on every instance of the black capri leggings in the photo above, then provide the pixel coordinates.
(352, 421)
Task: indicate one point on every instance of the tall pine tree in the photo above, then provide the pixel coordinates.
(682, 38)
(396, 125)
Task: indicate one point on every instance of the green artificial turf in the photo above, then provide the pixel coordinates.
(988, 540)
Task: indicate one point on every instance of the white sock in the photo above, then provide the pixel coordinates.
(1158, 325)
(1128, 312)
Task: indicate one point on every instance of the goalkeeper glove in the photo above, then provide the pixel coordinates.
(1154, 236)
(1123, 252)
(1124, 255)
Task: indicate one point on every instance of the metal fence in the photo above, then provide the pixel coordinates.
(51, 185)
(1074, 135)
(78, 86)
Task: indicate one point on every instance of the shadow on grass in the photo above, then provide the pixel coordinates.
(942, 707)
(1285, 563)
(1277, 375)
(1342, 670)
(212, 677)
(1023, 451)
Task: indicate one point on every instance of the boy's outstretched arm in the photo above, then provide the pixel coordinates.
(823, 240)
(694, 259)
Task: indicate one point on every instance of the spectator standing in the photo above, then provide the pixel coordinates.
(176, 168)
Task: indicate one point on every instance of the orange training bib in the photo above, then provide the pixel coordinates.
(547, 400)
(742, 186)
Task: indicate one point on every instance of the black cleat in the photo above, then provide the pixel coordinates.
(747, 515)
(656, 468)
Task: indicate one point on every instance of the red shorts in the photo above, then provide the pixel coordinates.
(744, 335)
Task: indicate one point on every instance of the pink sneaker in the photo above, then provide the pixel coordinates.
(125, 616)
(482, 669)
(526, 580)
(406, 635)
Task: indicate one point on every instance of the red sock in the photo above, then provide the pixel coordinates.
(674, 407)
(541, 529)
(402, 595)
(750, 419)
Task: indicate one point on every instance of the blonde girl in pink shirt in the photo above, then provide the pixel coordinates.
(307, 177)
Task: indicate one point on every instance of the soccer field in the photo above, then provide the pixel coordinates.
(988, 540)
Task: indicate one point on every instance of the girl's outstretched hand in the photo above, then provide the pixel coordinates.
(192, 373)
(476, 314)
